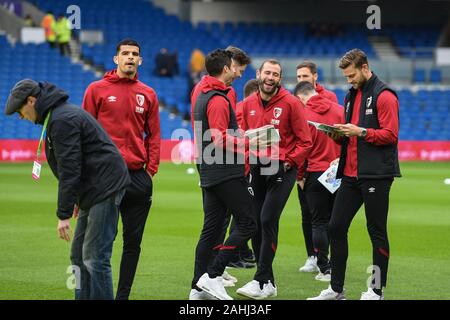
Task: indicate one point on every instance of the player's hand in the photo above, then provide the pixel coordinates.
(76, 211)
(301, 183)
(334, 135)
(348, 129)
(286, 166)
(64, 229)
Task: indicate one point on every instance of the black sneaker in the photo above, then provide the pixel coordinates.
(241, 264)
(247, 256)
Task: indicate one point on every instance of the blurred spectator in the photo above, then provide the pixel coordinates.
(197, 63)
(324, 30)
(196, 70)
(29, 21)
(176, 65)
(166, 64)
(63, 34)
(48, 23)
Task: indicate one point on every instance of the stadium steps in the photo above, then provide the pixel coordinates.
(384, 48)
(75, 50)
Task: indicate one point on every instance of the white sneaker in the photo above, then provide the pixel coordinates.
(269, 290)
(253, 290)
(213, 286)
(229, 277)
(200, 295)
(329, 294)
(310, 265)
(371, 295)
(325, 277)
(228, 283)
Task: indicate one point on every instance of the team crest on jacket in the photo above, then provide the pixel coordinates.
(277, 112)
(368, 102)
(140, 99)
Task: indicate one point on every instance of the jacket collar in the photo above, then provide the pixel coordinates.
(366, 86)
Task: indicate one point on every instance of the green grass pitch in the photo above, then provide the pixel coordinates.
(33, 260)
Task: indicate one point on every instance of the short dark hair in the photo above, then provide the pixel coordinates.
(128, 42)
(271, 61)
(304, 88)
(250, 87)
(239, 55)
(216, 60)
(357, 57)
(308, 64)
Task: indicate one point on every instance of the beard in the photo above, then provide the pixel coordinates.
(274, 86)
(129, 69)
(360, 83)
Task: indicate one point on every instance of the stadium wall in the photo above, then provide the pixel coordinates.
(181, 152)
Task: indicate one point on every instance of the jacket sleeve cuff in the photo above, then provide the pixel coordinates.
(291, 163)
(151, 170)
(63, 215)
(370, 135)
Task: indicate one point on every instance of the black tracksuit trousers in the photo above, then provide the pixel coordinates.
(134, 210)
(320, 202)
(233, 196)
(271, 194)
(306, 222)
(353, 192)
(230, 223)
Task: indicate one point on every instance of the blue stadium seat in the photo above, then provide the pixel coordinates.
(419, 76)
(435, 76)
(270, 39)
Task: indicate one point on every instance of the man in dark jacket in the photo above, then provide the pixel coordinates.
(368, 164)
(92, 176)
(220, 163)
